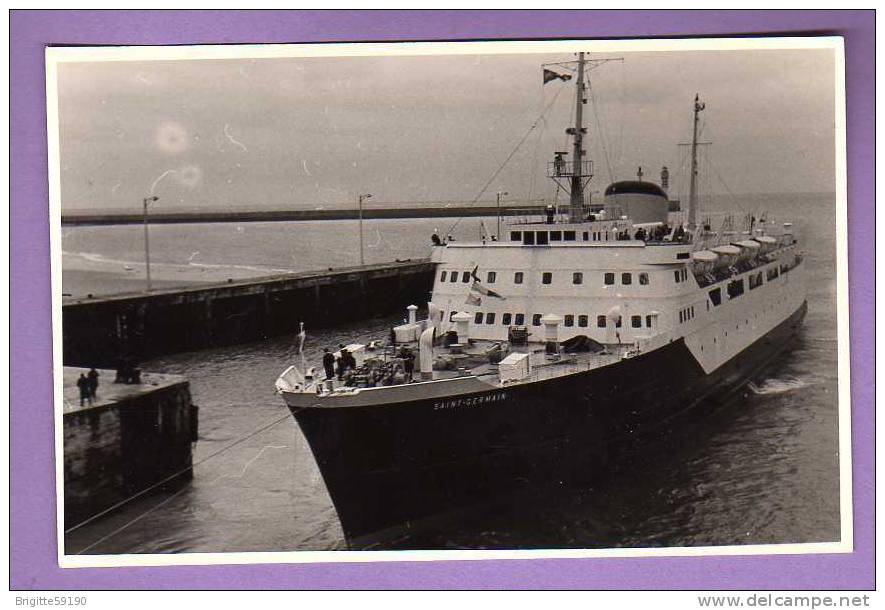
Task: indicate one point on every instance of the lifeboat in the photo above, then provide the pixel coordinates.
(767, 242)
(728, 254)
(749, 248)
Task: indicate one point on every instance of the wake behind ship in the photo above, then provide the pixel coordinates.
(545, 344)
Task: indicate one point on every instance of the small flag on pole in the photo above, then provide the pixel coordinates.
(550, 75)
(478, 287)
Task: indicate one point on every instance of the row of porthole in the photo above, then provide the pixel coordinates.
(569, 320)
(546, 277)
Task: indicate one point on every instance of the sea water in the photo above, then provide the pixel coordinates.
(764, 469)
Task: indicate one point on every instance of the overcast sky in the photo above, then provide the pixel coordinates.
(283, 133)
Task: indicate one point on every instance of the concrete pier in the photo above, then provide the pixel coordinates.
(130, 438)
(138, 326)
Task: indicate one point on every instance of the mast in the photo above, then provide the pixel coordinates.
(576, 200)
(693, 186)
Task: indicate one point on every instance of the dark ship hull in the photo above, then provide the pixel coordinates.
(390, 467)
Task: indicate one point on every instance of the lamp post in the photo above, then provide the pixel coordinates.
(147, 243)
(362, 256)
(498, 205)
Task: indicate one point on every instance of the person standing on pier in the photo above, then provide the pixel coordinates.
(92, 377)
(328, 363)
(83, 386)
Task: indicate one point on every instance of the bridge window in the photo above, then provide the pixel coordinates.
(577, 278)
(506, 319)
(600, 321)
(555, 235)
(454, 277)
(772, 273)
(519, 319)
(609, 279)
(586, 235)
(442, 276)
(542, 238)
(518, 277)
(491, 277)
(547, 278)
(626, 279)
(477, 319)
(569, 320)
(515, 235)
(582, 321)
(536, 319)
(528, 238)
(465, 277)
(490, 318)
(568, 235)
(643, 279)
(735, 288)
(636, 321)
(755, 280)
(716, 296)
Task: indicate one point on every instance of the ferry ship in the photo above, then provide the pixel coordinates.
(546, 344)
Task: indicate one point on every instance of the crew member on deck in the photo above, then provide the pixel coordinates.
(328, 363)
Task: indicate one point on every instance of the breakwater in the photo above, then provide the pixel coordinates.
(133, 327)
(167, 217)
(131, 438)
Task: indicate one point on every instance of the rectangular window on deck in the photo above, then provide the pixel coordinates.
(465, 277)
(506, 319)
(735, 288)
(626, 279)
(600, 321)
(582, 321)
(536, 319)
(643, 279)
(519, 319)
(528, 238)
(681, 317)
(586, 235)
(477, 319)
(577, 278)
(542, 238)
(555, 235)
(716, 296)
(569, 320)
(515, 235)
(568, 235)
(490, 318)
(636, 321)
(491, 277)
(609, 279)
(518, 277)
(678, 276)
(648, 321)
(442, 276)
(547, 278)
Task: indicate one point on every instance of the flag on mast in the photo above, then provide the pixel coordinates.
(550, 75)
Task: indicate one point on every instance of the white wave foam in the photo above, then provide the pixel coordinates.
(777, 386)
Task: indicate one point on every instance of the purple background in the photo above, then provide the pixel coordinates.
(32, 499)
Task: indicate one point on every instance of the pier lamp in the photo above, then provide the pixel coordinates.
(362, 257)
(147, 243)
(498, 205)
